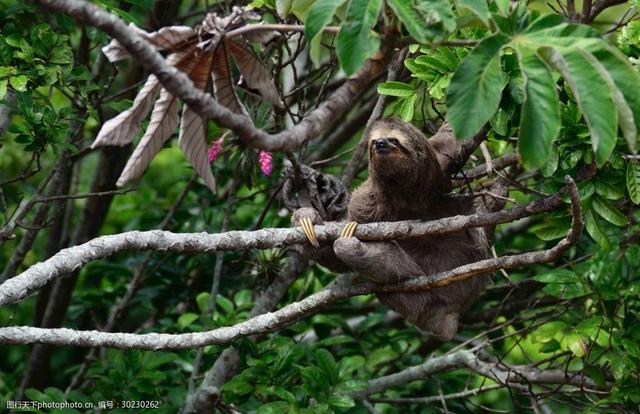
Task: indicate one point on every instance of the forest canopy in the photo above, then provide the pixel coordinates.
(150, 274)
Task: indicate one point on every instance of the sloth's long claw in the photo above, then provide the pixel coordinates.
(307, 227)
(349, 230)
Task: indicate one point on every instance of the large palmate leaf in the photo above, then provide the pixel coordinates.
(605, 87)
(540, 102)
(478, 7)
(627, 81)
(192, 138)
(198, 54)
(254, 72)
(223, 88)
(164, 120)
(163, 39)
(356, 41)
(476, 88)
(121, 129)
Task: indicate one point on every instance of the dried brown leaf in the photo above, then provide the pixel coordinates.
(169, 37)
(254, 72)
(223, 89)
(194, 146)
(192, 139)
(164, 120)
(121, 129)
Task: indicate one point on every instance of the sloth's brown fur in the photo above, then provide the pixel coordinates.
(407, 183)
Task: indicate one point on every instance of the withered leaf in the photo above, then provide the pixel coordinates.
(223, 89)
(121, 129)
(166, 38)
(192, 139)
(254, 72)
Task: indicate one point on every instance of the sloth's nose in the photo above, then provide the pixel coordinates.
(382, 143)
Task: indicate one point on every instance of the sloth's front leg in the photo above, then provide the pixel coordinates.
(380, 262)
(307, 217)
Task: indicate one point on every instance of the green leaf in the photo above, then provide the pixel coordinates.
(186, 319)
(477, 7)
(608, 191)
(627, 81)
(431, 62)
(395, 88)
(320, 15)
(575, 343)
(283, 7)
(551, 165)
(593, 96)
(594, 228)
(276, 407)
(476, 88)
(411, 19)
(19, 83)
(608, 212)
(3, 89)
(203, 300)
(356, 41)
(225, 304)
(407, 108)
(633, 181)
(327, 362)
(549, 330)
(341, 401)
(551, 230)
(540, 114)
(625, 114)
(558, 276)
(238, 386)
(300, 8)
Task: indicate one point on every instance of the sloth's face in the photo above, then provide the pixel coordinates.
(391, 153)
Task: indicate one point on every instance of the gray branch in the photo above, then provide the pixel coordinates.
(503, 374)
(342, 288)
(179, 84)
(73, 258)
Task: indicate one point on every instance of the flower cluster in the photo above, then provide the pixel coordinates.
(214, 150)
(266, 162)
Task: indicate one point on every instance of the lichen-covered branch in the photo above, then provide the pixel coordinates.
(73, 258)
(342, 288)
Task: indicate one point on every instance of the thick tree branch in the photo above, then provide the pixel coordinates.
(179, 84)
(70, 259)
(342, 288)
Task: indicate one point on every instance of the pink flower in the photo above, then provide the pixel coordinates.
(266, 162)
(214, 150)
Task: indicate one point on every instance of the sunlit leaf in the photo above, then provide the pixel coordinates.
(475, 90)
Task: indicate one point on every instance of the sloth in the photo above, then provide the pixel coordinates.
(405, 182)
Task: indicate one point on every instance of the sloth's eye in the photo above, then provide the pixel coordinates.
(394, 141)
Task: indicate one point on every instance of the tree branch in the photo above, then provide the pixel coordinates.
(178, 84)
(342, 288)
(70, 259)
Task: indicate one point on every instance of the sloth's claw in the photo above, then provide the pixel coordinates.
(307, 227)
(348, 230)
